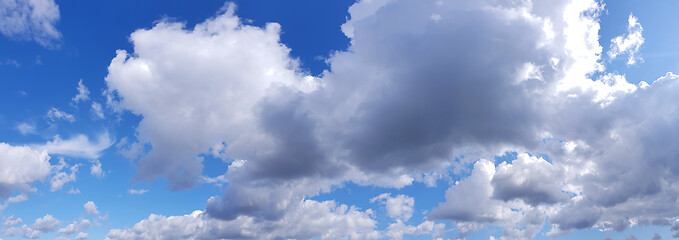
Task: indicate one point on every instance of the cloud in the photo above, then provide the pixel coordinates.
(95, 169)
(530, 179)
(398, 229)
(629, 43)
(24, 230)
(61, 177)
(410, 98)
(18, 198)
(138, 191)
(306, 220)
(26, 128)
(11, 221)
(46, 224)
(74, 227)
(78, 146)
(55, 114)
(21, 166)
(399, 207)
(81, 236)
(97, 110)
(180, 125)
(83, 93)
(90, 208)
(30, 20)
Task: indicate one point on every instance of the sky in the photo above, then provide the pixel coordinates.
(342, 119)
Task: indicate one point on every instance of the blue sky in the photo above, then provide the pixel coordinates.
(370, 119)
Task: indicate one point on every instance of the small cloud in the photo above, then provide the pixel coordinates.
(90, 208)
(60, 178)
(18, 198)
(629, 43)
(55, 114)
(138, 191)
(11, 62)
(46, 224)
(26, 128)
(83, 93)
(78, 146)
(95, 169)
(74, 191)
(97, 110)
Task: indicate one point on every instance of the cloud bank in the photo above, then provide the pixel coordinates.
(424, 86)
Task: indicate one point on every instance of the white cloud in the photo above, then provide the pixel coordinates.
(20, 168)
(138, 191)
(208, 110)
(90, 208)
(74, 191)
(407, 97)
(81, 236)
(629, 43)
(18, 198)
(78, 146)
(25, 231)
(74, 227)
(11, 221)
(129, 150)
(61, 177)
(398, 229)
(95, 169)
(30, 20)
(306, 220)
(26, 128)
(83, 93)
(55, 114)
(399, 207)
(46, 224)
(97, 110)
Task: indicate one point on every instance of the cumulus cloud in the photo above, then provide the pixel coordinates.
(398, 229)
(24, 231)
(399, 207)
(30, 20)
(21, 167)
(90, 208)
(95, 169)
(530, 179)
(222, 80)
(308, 219)
(46, 224)
(408, 97)
(74, 227)
(61, 177)
(11, 221)
(629, 43)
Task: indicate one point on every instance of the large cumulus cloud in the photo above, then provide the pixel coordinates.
(424, 86)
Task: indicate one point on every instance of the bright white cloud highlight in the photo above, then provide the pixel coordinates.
(90, 208)
(83, 93)
(55, 114)
(628, 43)
(399, 207)
(78, 146)
(20, 168)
